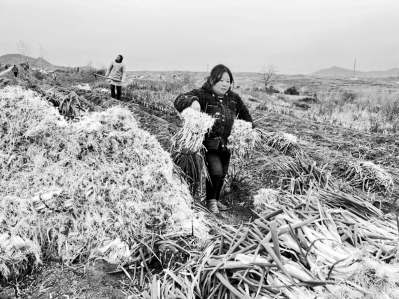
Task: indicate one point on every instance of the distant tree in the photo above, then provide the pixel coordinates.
(89, 63)
(24, 48)
(269, 75)
(42, 54)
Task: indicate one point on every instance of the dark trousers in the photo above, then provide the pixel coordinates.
(16, 74)
(218, 166)
(118, 92)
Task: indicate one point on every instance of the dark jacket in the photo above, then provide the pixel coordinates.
(224, 110)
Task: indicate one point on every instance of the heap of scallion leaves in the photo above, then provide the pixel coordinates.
(69, 189)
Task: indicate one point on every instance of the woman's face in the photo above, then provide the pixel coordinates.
(222, 86)
(118, 58)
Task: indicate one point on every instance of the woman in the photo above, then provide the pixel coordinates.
(117, 75)
(217, 99)
(15, 70)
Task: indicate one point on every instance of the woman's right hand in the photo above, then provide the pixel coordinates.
(196, 106)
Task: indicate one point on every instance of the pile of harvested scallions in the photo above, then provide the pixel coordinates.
(70, 189)
(299, 247)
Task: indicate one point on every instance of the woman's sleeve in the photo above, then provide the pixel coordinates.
(242, 111)
(109, 69)
(185, 100)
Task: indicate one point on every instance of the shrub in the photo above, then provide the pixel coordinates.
(291, 91)
(271, 89)
(349, 96)
(39, 76)
(308, 100)
(262, 106)
(101, 71)
(301, 105)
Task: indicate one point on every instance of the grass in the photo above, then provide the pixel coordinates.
(369, 110)
(154, 95)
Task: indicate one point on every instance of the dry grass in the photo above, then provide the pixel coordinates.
(154, 95)
(367, 110)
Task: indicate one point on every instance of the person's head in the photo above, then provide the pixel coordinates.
(220, 79)
(119, 58)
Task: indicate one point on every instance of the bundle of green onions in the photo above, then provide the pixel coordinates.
(368, 176)
(243, 139)
(300, 174)
(283, 142)
(195, 125)
(351, 202)
(187, 146)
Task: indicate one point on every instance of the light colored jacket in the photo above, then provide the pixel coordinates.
(116, 72)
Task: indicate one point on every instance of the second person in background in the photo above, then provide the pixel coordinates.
(217, 99)
(117, 75)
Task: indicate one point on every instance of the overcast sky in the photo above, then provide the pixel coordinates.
(297, 36)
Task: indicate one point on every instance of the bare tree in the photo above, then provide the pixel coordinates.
(269, 75)
(42, 54)
(24, 48)
(89, 63)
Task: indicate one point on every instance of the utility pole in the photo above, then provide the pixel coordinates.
(354, 69)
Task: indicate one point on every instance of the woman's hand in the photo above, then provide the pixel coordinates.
(196, 106)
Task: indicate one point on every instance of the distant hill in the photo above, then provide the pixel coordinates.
(33, 62)
(341, 72)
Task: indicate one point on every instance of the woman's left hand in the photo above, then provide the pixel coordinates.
(196, 106)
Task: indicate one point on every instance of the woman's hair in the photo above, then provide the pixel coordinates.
(217, 74)
(121, 57)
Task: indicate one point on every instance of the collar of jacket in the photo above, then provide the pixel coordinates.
(206, 86)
